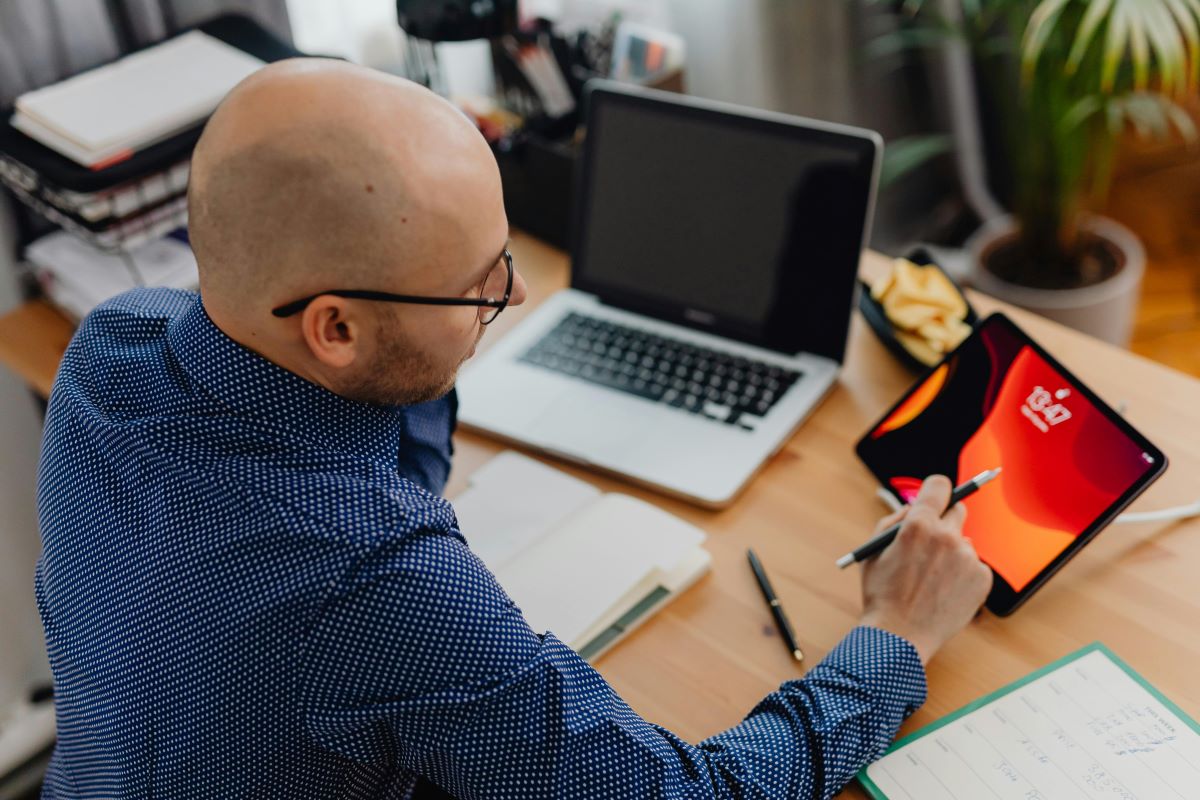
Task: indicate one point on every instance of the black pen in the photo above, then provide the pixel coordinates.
(781, 620)
(877, 543)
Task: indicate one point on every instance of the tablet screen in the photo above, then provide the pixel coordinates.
(1069, 461)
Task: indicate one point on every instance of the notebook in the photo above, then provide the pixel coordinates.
(586, 566)
(103, 115)
(1086, 726)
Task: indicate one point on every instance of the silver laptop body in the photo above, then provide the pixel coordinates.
(715, 256)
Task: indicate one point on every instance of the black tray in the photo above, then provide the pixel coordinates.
(877, 319)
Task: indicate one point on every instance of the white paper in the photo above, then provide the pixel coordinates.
(569, 556)
(566, 582)
(1085, 730)
(134, 101)
(513, 501)
(78, 277)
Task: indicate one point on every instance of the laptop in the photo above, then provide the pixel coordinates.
(715, 252)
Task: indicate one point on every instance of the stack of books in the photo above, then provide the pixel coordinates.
(103, 116)
(105, 154)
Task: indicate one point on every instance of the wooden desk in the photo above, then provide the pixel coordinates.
(702, 663)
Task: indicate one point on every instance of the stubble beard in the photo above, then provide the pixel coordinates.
(405, 377)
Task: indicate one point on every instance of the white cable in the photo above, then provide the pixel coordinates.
(1162, 515)
(888, 499)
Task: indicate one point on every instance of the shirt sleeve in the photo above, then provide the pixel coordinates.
(423, 661)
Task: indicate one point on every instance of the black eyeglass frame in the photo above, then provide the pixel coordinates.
(296, 306)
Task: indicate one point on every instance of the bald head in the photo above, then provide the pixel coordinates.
(316, 174)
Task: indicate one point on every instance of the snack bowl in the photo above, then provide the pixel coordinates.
(872, 310)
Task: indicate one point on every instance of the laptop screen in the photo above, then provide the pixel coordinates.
(739, 223)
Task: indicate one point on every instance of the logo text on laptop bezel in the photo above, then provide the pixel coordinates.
(699, 317)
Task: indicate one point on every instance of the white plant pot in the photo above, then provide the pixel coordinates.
(1105, 310)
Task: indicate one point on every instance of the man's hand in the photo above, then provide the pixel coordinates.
(929, 583)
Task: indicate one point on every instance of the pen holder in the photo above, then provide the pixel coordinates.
(538, 176)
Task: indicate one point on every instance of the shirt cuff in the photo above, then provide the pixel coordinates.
(886, 664)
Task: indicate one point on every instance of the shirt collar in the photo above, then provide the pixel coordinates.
(251, 386)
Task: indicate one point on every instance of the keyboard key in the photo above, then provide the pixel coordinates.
(717, 411)
(728, 388)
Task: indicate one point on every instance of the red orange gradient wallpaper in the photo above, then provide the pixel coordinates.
(998, 403)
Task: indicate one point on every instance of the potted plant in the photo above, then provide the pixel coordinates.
(1061, 81)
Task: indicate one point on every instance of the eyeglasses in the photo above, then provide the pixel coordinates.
(494, 295)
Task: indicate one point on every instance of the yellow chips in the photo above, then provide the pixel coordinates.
(925, 309)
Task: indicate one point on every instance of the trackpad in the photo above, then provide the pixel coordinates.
(590, 429)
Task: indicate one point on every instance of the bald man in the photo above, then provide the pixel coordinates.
(250, 584)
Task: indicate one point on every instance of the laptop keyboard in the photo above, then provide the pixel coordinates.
(720, 386)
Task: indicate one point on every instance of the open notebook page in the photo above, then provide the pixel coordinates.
(614, 548)
(513, 501)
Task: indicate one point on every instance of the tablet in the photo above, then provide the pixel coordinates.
(1070, 463)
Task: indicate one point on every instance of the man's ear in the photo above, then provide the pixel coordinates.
(332, 334)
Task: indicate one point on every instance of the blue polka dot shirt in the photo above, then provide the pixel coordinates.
(250, 587)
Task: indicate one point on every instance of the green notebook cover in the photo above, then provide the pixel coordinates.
(875, 792)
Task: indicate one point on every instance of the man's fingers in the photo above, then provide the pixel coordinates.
(934, 494)
(956, 516)
(891, 519)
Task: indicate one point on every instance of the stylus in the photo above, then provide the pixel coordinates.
(879, 541)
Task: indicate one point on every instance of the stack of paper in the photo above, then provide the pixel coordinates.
(77, 277)
(103, 116)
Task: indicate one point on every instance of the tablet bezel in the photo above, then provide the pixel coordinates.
(1003, 599)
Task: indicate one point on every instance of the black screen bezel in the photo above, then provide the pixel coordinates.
(1003, 599)
(864, 145)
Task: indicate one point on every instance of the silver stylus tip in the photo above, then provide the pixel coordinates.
(986, 476)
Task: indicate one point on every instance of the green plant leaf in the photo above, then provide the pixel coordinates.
(1167, 45)
(1185, 18)
(906, 154)
(1145, 112)
(1115, 43)
(1139, 48)
(1115, 118)
(1041, 24)
(1096, 13)
(1079, 113)
(1155, 114)
(1183, 122)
